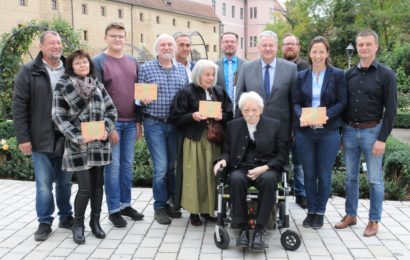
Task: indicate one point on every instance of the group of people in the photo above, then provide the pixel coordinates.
(261, 106)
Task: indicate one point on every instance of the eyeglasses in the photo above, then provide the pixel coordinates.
(289, 44)
(115, 36)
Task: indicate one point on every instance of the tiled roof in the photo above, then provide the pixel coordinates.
(177, 6)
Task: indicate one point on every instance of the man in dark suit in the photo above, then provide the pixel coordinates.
(254, 153)
(290, 52)
(182, 52)
(272, 78)
(230, 65)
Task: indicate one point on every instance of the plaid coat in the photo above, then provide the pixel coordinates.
(67, 104)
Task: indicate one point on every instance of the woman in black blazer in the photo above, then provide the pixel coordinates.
(319, 86)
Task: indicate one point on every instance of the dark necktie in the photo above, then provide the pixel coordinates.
(266, 82)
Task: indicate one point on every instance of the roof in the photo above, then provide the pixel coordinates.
(278, 6)
(177, 6)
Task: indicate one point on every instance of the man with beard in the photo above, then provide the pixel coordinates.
(229, 66)
(160, 134)
(290, 52)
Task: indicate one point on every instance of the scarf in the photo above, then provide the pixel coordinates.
(84, 87)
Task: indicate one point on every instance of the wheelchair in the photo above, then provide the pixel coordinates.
(290, 240)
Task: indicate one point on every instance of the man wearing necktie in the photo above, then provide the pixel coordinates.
(229, 66)
(273, 79)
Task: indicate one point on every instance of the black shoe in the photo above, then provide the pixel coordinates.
(132, 213)
(78, 234)
(68, 223)
(195, 220)
(172, 212)
(308, 222)
(209, 218)
(258, 243)
(243, 239)
(42, 232)
(301, 201)
(95, 226)
(318, 221)
(162, 217)
(117, 220)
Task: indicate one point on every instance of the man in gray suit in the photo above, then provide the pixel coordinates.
(273, 79)
(230, 65)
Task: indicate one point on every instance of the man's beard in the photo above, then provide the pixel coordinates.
(290, 55)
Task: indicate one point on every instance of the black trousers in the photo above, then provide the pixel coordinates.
(266, 185)
(90, 187)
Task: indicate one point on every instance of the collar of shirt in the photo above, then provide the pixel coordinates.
(234, 59)
(272, 64)
(251, 130)
(374, 64)
(60, 65)
(162, 67)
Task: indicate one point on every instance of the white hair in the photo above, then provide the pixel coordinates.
(199, 68)
(268, 34)
(164, 36)
(251, 95)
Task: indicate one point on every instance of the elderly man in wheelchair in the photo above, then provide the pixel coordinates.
(254, 154)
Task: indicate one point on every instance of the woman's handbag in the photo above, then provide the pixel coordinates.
(215, 132)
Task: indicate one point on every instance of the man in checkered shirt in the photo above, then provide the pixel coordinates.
(160, 134)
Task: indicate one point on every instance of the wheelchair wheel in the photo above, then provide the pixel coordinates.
(290, 240)
(224, 243)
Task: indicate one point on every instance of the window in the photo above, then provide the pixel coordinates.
(251, 13)
(254, 12)
(241, 42)
(241, 13)
(207, 47)
(250, 41)
(53, 4)
(224, 9)
(214, 29)
(158, 20)
(188, 24)
(174, 22)
(103, 11)
(215, 48)
(84, 9)
(85, 35)
(213, 5)
(120, 15)
(22, 2)
(142, 37)
(254, 41)
(233, 11)
(141, 17)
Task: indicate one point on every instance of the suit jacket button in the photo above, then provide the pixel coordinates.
(243, 147)
(239, 156)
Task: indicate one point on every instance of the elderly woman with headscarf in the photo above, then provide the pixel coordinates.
(198, 153)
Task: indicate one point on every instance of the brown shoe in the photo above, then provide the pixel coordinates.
(346, 221)
(371, 229)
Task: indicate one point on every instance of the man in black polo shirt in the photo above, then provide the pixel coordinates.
(369, 117)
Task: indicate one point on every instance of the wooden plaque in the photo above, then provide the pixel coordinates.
(143, 91)
(210, 109)
(95, 129)
(314, 115)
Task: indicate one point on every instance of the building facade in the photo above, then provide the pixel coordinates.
(247, 18)
(144, 20)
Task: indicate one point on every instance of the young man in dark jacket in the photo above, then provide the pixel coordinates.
(36, 133)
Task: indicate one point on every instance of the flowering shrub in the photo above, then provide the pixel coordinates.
(13, 164)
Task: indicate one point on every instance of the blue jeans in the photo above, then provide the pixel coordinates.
(355, 142)
(317, 149)
(298, 179)
(162, 144)
(47, 168)
(118, 174)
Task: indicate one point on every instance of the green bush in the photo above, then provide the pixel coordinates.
(14, 165)
(6, 129)
(402, 119)
(142, 170)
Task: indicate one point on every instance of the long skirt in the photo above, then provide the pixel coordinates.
(198, 185)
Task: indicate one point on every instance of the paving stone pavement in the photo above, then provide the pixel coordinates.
(147, 239)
